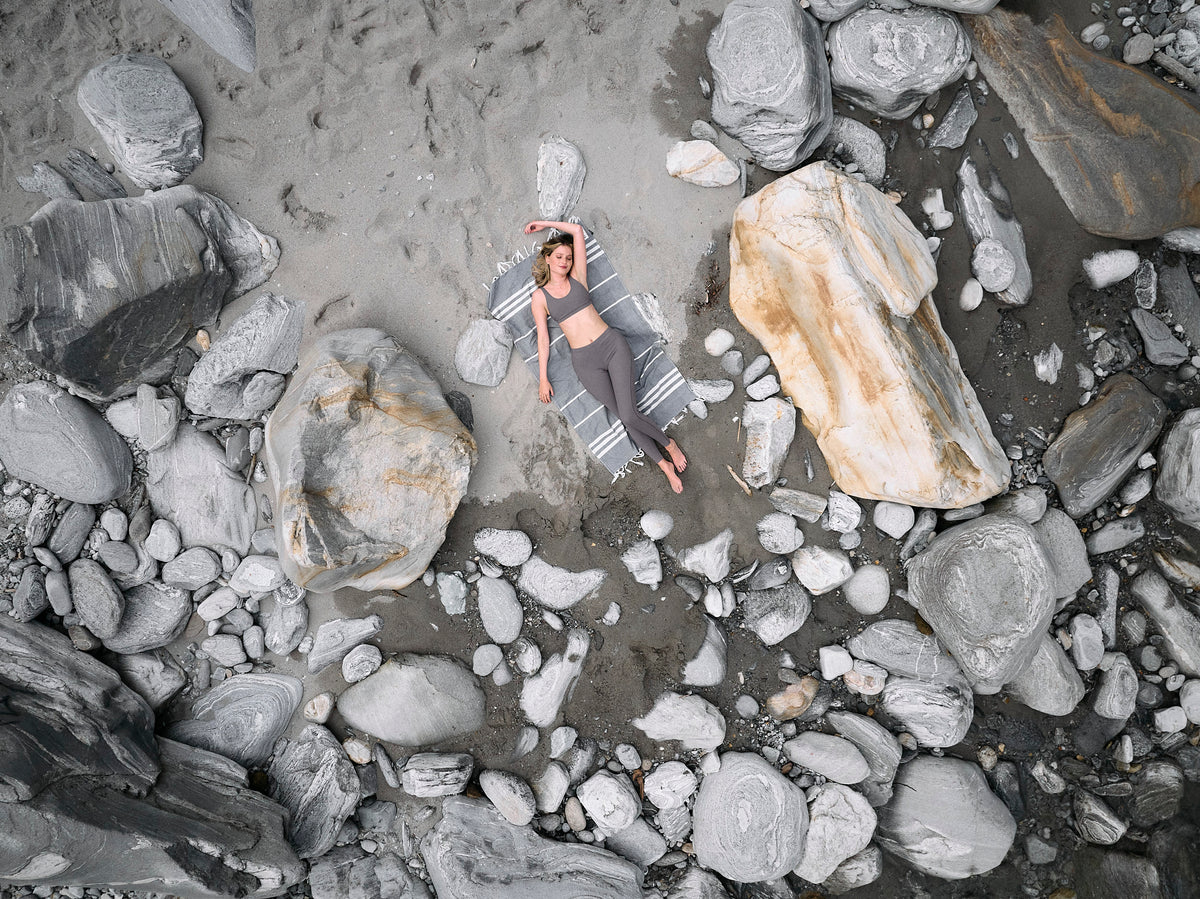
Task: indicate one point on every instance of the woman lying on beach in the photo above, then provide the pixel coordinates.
(599, 354)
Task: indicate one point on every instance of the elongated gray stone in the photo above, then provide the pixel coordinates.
(543, 694)
(86, 172)
(770, 428)
(987, 214)
(415, 700)
(48, 181)
(951, 132)
(59, 442)
(749, 821)
(558, 588)
(879, 748)
(560, 175)
(1066, 551)
(944, 820)
(834, 758)
(241, 374)
(987, 590)
(890, 61)
(1180, 628)
(146, 117)
(473, 853)
(499, 609)
(225, 25)
(1159, 344)
(242, 716)
(155, 614)
(314, 780)
(771, 80)
(98, 601)
(337, 637)
(192, 569)
(1178, 484)
(429, 774)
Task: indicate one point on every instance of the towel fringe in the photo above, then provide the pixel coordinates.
(524, 253)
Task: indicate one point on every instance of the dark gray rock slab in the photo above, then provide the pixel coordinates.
(368, 463)
(108, 328)
(473, 853)
(30, 599)
(1178, 484)
(155, 614)
(890, 61)
(771, 80)
(1158, 792)
(99, 602)
(155, 676)
(146, 118)
(347, 872)
(225, 25)
(314, 780)
(987, 214)
(1158, 343)
(1178, 293)
(57, 441)
(86, 172)
(1180, 628)
(242, 716)
(1108, 874)
(241, 374)
(1099, 444)
(951, 132)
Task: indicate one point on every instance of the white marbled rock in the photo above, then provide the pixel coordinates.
(840, 825)
(938, 715)
(770, 428)
(699, 162)
(509, 548)
(749, 821)
(1107, 267)
(656, 524)
(894, 519)
(557, 588)
(610, 799)
(821, 570)
(1115, 696)
(560, 175)
(884, 299)
(692, 720)
(643, 562)
(1178, 484)
(314, 780)
(670, 785)
(775, 613)
(711, 558)
(543, 694)
(241, 717)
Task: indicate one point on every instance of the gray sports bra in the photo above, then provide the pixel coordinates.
(562, 309)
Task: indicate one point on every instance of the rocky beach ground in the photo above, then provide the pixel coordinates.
(372, 171)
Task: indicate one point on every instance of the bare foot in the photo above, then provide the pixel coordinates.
(669, 470)
(677, 457)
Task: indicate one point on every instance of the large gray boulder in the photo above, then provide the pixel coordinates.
(415, 700)
(771, 80)
(225, 25)
(242, 374)
(889, 61)
(987, 590)
(146, 118)
(190, 484)
(944, 820)
(59, 442)
(314, 780)
(749, 821)
(1099, 445)
(368, 463)
(474, 853)
(242, 716)
(1178, 484)
(109, 328)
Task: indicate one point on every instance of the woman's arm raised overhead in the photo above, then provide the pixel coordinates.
(578, 245)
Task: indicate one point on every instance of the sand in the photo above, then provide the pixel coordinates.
(391, 149)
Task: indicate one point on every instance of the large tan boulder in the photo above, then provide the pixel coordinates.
(835, 283)
(369, 464)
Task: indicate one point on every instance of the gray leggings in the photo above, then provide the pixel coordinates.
(605, 368)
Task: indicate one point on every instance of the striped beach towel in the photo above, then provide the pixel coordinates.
(662, 391)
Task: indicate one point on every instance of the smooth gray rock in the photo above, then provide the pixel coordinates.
(1158, 343)
(832, 10)
(639, 843)
(312, 778)
(643, 562)
(1115, 535)
(840, 825)
(692, 720)
(670, 785)
(190, 485)
(429, 774)
(499, 609)
(98, 601)
(1178, 484)
(29, 599)
(711, 391)
(192, 568)
(511, 795)
(770, 428)
(771, 80)
(163, 542)
(749, 821)
(155, 676)
(415, 700)
(241, 375)
(1178, 294)
(1095, 820)
(67, 539)
(543, 694)
(993, 265)
(225, 25)
(1115, 696)
(1051, 684)
(860, 869)
(1108, 874)
(110, 329)
(890, 61)
(875, 742)
(146, 118)
(855, 142)
(119, 558)
(1099, 444)
(951, 132)
(938, 715)
(707, 667)
(509, 548)
(242, 716)
(1087, 642)
(155, 614)
(360, 410)
(1180, 628)
(964, 585)
(834, 758)
(158, 417)
(944, 820)
(987, 213)
(1066, 551)
(481, 356)
(255, 575)
(361, 662)
(710, 559)
(72, 716)
(868, 589)
(60, 443)
(87, 172)
(557, 588)
(656, 524)
(775, 613)
(473, 853)
(560, 175)
(904, 651)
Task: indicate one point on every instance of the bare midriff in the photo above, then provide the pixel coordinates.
(583, 327)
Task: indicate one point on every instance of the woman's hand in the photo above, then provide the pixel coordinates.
(545, 391)
(535, 226)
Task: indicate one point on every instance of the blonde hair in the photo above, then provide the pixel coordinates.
(541, 268)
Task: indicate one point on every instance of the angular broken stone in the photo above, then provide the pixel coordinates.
(821, 570)
(775, 613)
(241, 717)
(155, 676)
(481, 356)
(943, 819)
(770, 427)
(557, 588)
(879, 748)
(1050, 684)
(749, 821)
(146, 117)
(1159, 344)
(314, 780)
(560, 175)
(509, 548)
(701, 163)
(415, 700)
(840, 825)
(771, 81)
(934, 448)
(707, 666)
(794, 700)
(805, 506)
(889, 61)
(951, 132)
(988, 215)
(643, 562)
(778, 533)
(670, 785)
(710, 559)
(611, 800)
(543, 694)
(284, 624)
(963, 585)
(692, 720)
(429, 774)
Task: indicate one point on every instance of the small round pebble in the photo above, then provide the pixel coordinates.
(868, 589)
(486, 659)
(656, 524)
(1138, 49)
(718, 342)
(746, 706)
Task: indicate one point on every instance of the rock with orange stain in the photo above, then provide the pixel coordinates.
(1117, 142)
(835, 282)
(369, 464)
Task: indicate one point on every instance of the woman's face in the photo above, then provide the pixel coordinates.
(561, 259)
